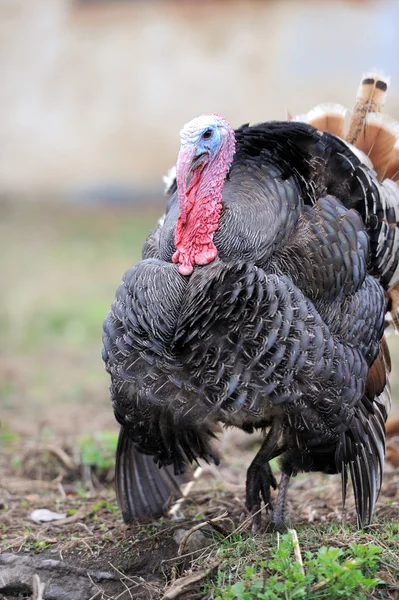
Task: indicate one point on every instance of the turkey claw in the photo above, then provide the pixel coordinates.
(276, 524)
(259, 480)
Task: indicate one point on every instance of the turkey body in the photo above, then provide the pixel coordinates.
(281, 332)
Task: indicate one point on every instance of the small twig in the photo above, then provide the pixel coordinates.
(242, 504)
(99, 590)
(297, 549)
(182, 584)
(61, 490)
(137, 581)
(196, 528)
(37, 588)
(58, 452)
(178, 559)
(123, 574)
(84, 526)
(325, 582)
(245, 523)
(72, 519)
(25, 539)
(238, 530)
(86, 476)
(321, 584)
(127, 589)
(87, 546)
(185, 492)
(219, 528)
(389, 566)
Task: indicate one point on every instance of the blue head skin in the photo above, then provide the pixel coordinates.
(208, 142)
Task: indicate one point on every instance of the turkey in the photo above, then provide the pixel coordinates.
(259, 303)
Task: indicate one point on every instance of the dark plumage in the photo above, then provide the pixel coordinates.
(282, 331)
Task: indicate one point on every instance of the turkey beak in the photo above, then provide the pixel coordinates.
(197, 161)
(189, 161)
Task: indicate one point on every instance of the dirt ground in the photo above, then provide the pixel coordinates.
(104, 558)
(64, 268)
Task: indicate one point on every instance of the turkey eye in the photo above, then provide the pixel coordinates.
(207, 134)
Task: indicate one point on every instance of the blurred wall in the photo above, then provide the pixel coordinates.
(92, 94)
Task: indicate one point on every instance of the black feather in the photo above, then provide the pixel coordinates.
(142, 487)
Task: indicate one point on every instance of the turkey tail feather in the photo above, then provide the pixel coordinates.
(364, 453)
(393, 299)
(388, 247)
(370, 98)
(392, 171)
(142, 488)
(375, 134)
(362, 448)
(377, 139)
(326, 117)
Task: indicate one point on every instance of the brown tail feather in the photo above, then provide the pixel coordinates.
(371, 97)
(373, 137)
(392, 430)
(392, 171)
(392, 427)
(326, 117)
(393, 297)
(377, 139)
(386, 354)
(377, 377)
(142, 488)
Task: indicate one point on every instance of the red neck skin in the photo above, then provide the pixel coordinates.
(200, 207)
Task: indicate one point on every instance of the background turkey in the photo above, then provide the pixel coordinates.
(257, 305)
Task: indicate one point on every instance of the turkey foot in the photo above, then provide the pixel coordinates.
(260, 477)
(277, 520)
(259, 480)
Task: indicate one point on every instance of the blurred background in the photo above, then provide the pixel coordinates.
(93, 94)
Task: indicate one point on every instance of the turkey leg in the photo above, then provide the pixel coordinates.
(260, 478)
(279, 512)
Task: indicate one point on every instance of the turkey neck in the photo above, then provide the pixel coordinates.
(200, 204)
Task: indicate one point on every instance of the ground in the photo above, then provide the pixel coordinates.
(59, 269)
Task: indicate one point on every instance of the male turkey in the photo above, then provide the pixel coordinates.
(259, 303)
